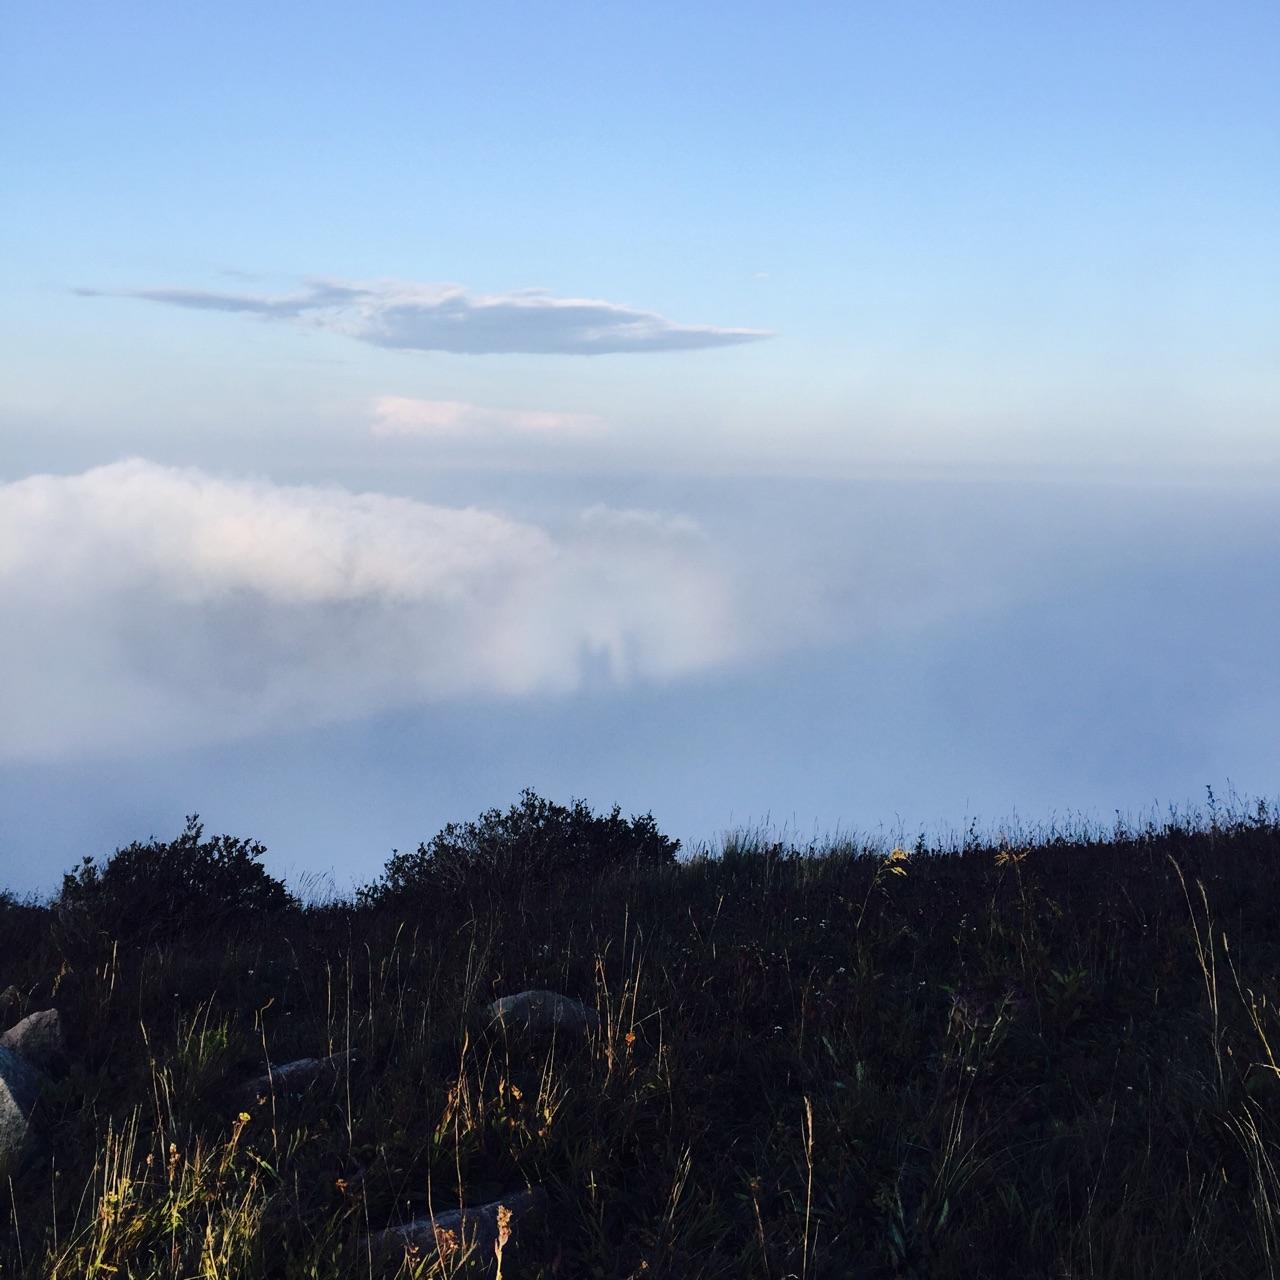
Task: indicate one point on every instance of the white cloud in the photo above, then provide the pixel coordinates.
(143, 606)
(446, 317)
(402, 416)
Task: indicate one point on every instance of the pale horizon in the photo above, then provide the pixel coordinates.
(830, 418)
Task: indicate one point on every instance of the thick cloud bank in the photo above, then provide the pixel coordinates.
(143, 606)
(446, 317)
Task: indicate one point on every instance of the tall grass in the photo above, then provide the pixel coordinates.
(1040, 1053)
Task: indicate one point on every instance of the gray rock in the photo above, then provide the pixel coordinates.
(297, 1076)
(541, 1013)
(456, 1233)
(19, 1087)
(38, 1038)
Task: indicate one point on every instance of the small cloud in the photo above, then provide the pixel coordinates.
(454, 419)
(629, 520)
(446, 317)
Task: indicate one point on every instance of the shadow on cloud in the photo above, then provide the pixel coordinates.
(150, 607)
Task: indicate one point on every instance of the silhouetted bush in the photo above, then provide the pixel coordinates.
(159, 887)
(21, 926)
(535, 841)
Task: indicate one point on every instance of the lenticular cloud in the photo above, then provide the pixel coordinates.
(447, 317)
(144, 606)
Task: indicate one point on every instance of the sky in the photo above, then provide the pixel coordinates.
(821, 417)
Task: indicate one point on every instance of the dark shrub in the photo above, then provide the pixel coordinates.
(22, 928)
(535, 841)
(161, 888)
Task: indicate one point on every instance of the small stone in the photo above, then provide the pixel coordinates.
(38, 1038)
(541, 1013)
(451, 1232)
(297, 1076)
(19, 1087)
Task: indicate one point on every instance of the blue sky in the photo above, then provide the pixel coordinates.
(754, 360)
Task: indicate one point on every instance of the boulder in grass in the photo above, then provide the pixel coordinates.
(541, 1014)
(480, 1231)
(19, 1087)
(38, 1038)
(297, 1076)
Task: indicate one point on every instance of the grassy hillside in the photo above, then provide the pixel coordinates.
(1047, 1058)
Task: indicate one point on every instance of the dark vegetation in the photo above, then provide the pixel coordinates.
(148, 890)
(534, 839)
(1044, 1055)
